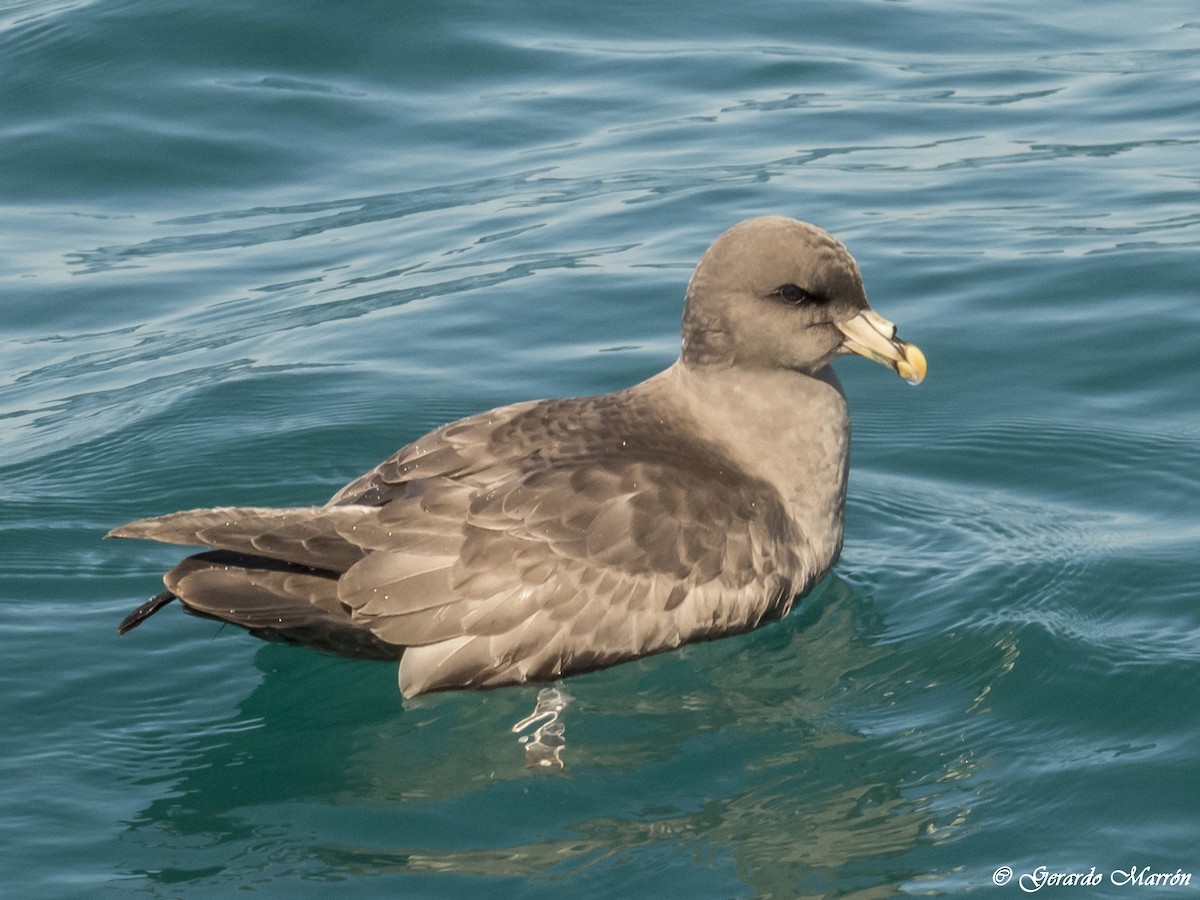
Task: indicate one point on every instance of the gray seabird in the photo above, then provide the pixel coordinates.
(555, 537)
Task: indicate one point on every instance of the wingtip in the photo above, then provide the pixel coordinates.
(128, 530)
(139, 528)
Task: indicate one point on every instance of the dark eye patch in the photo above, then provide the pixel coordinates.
(797, 296)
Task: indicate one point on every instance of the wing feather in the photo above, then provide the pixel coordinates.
(570, 568)
(512, 546)
(315, 536)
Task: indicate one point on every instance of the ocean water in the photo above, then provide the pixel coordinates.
(249, 249)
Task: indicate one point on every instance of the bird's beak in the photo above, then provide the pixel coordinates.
(871, 335)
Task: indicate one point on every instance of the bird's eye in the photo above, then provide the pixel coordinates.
(796, 295)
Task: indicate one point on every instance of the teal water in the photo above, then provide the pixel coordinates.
(247, 250)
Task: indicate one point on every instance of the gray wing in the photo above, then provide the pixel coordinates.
(576, 567)
(561, 536)
(519, 545)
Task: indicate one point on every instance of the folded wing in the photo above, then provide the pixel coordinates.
(491, 552)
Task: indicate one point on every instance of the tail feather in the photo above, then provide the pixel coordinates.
(145, 611)
(273, 600)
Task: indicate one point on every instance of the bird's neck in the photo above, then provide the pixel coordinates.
(789, 429)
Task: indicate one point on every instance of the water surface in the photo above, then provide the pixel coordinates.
(247, 252)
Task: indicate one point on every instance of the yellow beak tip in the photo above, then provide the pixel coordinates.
(913, 367)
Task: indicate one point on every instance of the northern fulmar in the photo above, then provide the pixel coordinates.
(554, 537)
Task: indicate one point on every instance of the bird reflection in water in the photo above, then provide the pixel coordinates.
(543, 748)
